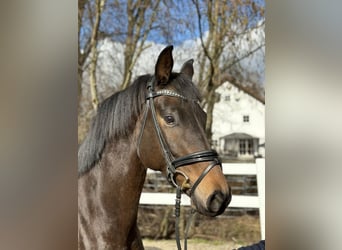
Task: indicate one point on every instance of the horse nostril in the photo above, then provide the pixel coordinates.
(217, 203)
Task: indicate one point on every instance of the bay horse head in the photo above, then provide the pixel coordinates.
(172, 137)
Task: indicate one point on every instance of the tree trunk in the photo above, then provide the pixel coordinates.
(137, 34)
(92, 80)
(94, 54)
(211, 99)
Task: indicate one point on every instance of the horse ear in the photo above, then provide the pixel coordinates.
(188, 68)
(164, 65)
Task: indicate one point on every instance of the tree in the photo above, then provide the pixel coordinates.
(99, 5)
(139, 24)
(128, 22)
(82, 53)
(89, 19)
(229, 25)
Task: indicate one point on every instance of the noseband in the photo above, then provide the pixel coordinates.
(173, 163)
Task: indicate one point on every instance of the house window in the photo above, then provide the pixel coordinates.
(246, 118)
(227, 98)
(214, 143)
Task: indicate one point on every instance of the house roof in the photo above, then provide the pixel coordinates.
(238, 136)
(250, 90)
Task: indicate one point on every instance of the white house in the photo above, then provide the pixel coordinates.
(238, 124)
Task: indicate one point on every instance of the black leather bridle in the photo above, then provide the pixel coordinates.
(173, 163)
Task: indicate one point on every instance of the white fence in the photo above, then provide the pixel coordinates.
(239, 201)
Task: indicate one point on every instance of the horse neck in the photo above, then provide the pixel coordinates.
(122, 173)
(109, 194)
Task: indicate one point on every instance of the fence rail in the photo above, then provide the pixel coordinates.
(238, 201)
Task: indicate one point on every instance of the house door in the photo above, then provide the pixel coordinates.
(246, 147)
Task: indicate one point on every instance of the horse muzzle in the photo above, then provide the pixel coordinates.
(215, 204)
(209, 192)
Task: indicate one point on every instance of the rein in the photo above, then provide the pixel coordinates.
(173, 163)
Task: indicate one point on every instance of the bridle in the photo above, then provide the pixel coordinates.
(173, 163)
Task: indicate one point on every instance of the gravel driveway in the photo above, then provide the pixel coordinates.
(192, 245)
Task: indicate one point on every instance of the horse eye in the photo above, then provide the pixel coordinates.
(169, 119)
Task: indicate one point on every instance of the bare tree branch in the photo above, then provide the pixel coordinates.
(228, 23)
(138, 29)
(94, 54)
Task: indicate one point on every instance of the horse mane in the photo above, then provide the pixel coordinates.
(117, 115)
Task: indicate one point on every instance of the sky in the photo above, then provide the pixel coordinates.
(182, 35)
(175, 32)
(183, 32)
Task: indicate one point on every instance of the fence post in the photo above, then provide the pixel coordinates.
(260, 167)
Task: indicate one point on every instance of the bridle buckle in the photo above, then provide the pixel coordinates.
(186, 183)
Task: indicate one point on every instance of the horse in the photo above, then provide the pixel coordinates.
(157, 122)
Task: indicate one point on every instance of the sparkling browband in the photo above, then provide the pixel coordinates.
(167, 92)
(170, 93)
